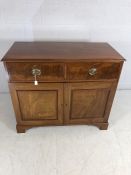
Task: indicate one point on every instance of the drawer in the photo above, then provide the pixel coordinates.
(93, 70)
(22, 72)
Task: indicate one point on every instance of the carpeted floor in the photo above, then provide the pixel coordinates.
(67, 150)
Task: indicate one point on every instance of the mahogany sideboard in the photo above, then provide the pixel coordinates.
(62, 83)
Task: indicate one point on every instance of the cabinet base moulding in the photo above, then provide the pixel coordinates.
(23, 128)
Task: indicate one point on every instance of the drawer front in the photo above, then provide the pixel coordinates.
(23, 71)
(93, 71)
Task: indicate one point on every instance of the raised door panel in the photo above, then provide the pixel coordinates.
(38, 105)
(42, 104)
(86, 102)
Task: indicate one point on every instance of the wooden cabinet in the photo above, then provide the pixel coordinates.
(76, 82)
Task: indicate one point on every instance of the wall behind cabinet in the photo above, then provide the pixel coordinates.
(75, 20)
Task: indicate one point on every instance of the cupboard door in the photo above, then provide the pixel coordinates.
(42, 104)
(86, 102)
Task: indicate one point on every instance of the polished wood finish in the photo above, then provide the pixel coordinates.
(86, 101)
(104, 70)
(57, 51)
(38, 105)
(22, 72)
(77, 83)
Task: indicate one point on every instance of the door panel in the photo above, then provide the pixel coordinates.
(85, 101)
(42, 104)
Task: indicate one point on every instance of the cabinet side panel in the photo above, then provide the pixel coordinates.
(15, 102)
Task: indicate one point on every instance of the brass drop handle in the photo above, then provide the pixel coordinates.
(36, 72)
(92, 71)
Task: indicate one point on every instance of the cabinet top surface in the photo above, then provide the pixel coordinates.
(49, 51)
